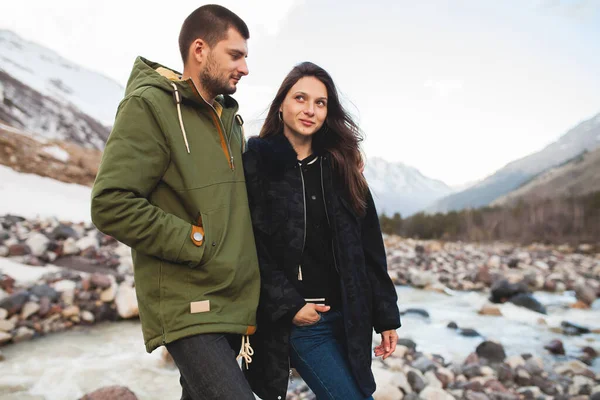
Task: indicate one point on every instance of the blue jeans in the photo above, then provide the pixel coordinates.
(317, 353)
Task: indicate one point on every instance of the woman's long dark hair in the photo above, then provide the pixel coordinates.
(340, 135)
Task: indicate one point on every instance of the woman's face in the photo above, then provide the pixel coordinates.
(304, 108)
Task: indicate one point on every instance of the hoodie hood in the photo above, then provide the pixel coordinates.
(148, 73)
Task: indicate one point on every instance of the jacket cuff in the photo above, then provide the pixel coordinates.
(289, 316)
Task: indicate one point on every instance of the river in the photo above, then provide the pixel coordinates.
(65, 366)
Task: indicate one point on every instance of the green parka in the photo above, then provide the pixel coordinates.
(171, 163)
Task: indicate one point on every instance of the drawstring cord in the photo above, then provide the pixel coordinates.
(246, 352)
(178, 102)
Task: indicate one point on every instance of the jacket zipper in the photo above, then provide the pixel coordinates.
(327, 216)
(220, 128)
(304, 240)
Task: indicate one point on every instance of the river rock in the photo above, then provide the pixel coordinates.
(573, 367)
(3, 314)
(492, 351)
(6, 325)
(468, 332)
(5, 337)
(4, 251)
(581, 385)
(416, 311)
(475, 396)
(29, 309)
(535, 366)
(415, 381)
(126, 301)
(430, 393)
(14, 303)
(86, 242)
(23, 334)
(445, 376)
(71, 311)
(421, 278)
(44, 291)
(101, 281)
(491, 310)
(111, 393)
(388, 392)
(62, 232)
(528, 301)
(38, 244)
(70, 247)
(555, 347)
(452, 325)
(585, 294)
(530, 392)
(408, 343)
(522, 377)
(502, 290)
(423, 364)
(18, 250)
(432, 380)
(570, 328)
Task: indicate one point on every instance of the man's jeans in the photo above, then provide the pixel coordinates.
(208, 367)
(317, 353)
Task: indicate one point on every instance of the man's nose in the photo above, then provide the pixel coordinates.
(243, 68)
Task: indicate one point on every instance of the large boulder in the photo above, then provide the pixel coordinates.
(111, 393)
(502, 290)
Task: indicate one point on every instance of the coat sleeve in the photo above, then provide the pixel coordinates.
(135, 158)
(279, 299)
(385, 300)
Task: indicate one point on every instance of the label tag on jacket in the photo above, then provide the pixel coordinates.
(199, 306)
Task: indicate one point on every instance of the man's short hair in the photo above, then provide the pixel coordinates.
(209, 23)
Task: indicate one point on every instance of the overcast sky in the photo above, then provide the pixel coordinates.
(455, 88)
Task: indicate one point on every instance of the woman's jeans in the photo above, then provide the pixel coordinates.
(317, 353)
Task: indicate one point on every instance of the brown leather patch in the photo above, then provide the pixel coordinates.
(251, 330)
(199, 306)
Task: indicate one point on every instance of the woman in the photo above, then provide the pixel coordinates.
(324, 281)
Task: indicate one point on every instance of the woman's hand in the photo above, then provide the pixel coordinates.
(309, 314)
(388, 344)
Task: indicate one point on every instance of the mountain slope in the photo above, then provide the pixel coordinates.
(24, 108)
(585, 136)
(578, 177)
(399, 188)
(48, 73)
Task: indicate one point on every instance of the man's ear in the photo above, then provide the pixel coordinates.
(199, 50)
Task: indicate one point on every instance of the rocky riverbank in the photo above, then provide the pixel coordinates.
(486, 374)
(94, 284)
(510, 272)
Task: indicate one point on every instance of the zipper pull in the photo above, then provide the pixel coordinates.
(299, 272)
(232, 164)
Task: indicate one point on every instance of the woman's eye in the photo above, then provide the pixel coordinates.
(299, 97)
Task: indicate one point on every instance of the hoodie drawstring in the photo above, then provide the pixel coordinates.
(246, 350)
(178, 102)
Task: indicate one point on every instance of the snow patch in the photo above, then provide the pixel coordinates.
(57, 153)
(33, 196)
(24, 274)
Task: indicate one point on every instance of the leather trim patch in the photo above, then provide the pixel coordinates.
(251, 330)
(199, 306)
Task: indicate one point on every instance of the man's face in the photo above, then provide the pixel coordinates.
(225, 64)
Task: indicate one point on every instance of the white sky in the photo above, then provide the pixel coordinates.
(455, 88)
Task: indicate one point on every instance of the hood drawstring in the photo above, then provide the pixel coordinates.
(246, 350)
(178, 102)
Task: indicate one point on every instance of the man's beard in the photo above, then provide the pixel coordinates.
(211, 81)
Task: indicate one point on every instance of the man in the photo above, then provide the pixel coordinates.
(171, 186)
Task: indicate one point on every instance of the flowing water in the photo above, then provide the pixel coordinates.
(65, 366)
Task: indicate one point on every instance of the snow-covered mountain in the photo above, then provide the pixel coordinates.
(400, 188)
(46, 72)
(584, 136)
(28, 110)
